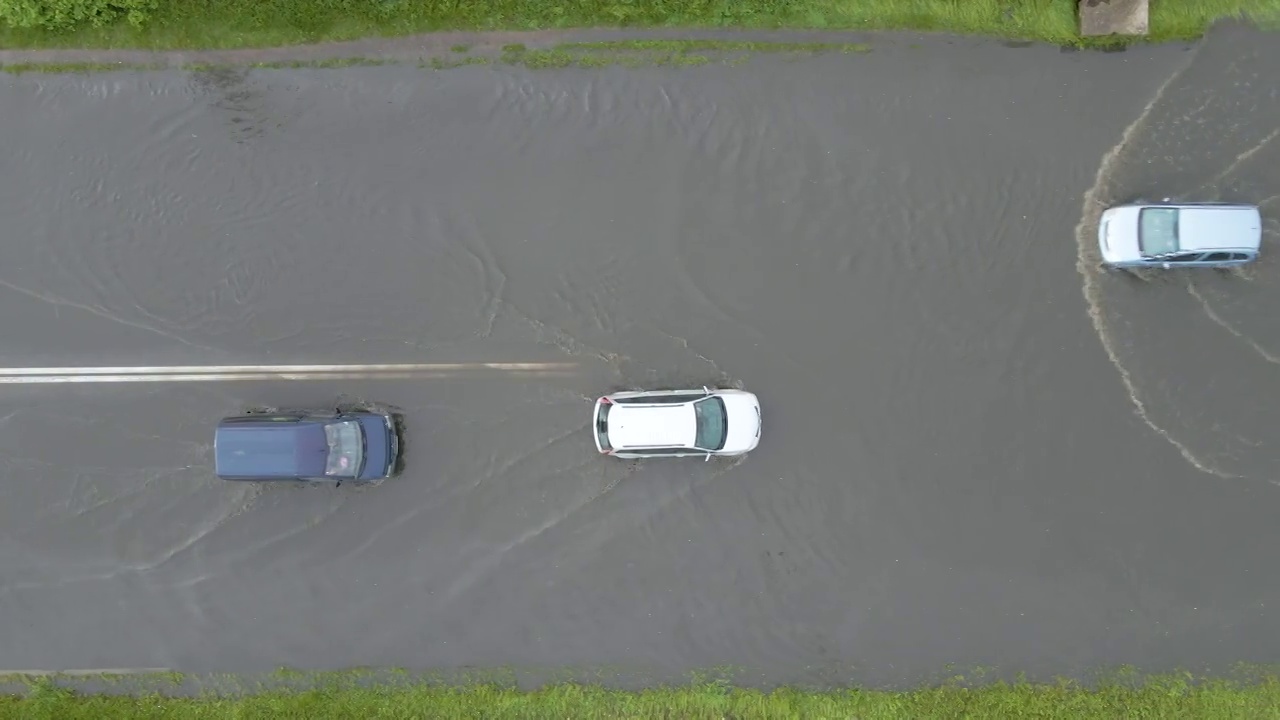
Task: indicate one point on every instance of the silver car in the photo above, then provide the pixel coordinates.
(677, 423)
(1167, 235)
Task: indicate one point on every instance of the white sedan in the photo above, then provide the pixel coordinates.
(677, 423)
(1166, 235)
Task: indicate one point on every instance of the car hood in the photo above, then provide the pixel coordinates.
(1118, 234)
(744, 422)
(1224, 228)
(377, 447)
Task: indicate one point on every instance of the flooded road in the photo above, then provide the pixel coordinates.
(978, 448)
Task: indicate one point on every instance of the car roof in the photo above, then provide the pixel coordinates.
(634, 426)
(270, 449)
(1219, 227)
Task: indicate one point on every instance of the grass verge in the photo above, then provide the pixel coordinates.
(626, 53)
(640, 53)
(1168, 698)
(225, 24)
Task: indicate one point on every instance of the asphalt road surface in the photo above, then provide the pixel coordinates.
(978, 448)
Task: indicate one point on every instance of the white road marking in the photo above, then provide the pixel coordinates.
(225, 373)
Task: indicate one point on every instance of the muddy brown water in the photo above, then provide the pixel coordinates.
(978, 448)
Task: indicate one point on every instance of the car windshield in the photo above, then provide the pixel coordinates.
(1158, 231)
(713, 423)
(346, 449)
(602, 426)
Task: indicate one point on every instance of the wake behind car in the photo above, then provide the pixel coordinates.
(1167, 235)
(677, 423)
(304, 446)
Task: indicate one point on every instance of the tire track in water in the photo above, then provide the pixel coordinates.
(493, 559)
(1218, 320)
(57, 302)
(114, 508)
(1241, 159)
(233, 504)
(565, 341)
(1088, 264)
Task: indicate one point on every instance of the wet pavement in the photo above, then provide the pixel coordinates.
(978, 447)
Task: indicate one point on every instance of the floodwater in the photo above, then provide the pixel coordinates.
(979, 449)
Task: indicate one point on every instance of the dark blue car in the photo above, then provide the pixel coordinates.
(305, 446)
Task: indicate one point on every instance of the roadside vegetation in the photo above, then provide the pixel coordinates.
(1168, 698)
(225, 24)
(625, 53)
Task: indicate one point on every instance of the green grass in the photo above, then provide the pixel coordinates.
(1170, 698)
(437, 63)
(325, 63)
(209, 24)
(73, 68)
(638, 53)
(718, 46)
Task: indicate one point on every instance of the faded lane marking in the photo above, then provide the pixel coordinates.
(227, 373)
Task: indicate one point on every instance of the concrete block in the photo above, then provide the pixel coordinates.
(1114, 17)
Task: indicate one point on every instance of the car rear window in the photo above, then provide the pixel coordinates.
(1158, 231)
(713, 423)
